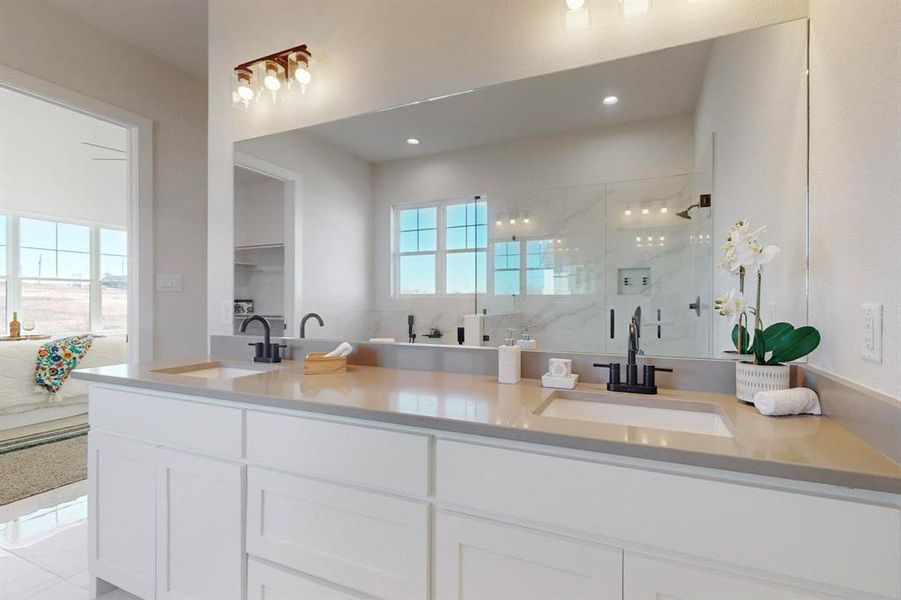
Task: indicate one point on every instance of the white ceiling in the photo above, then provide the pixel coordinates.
(174, 31)
(651, 85)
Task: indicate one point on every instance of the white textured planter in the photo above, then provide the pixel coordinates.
(751, 378)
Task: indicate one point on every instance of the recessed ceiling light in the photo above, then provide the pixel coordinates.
(610, 100)
(412, 141)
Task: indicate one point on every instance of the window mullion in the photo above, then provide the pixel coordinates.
(96, 309)
(441, 250)
(14, 287)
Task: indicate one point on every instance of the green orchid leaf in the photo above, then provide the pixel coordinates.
(745, 339)
(794, 345)
(775, 331)
(759, 347)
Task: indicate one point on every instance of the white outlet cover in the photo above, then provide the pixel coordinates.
(169, 282)
(871, 349)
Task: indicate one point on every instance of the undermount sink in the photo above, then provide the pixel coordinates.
(654, 413)
(218, 370)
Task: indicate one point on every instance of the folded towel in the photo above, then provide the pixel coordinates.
(343, 349)
(57, 359)
(796, 401)
(382, 340)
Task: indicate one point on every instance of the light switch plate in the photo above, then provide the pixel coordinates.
(872, 332)
(168, 282)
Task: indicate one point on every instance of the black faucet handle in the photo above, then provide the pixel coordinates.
(276, 353)
(257, 349)
(614, 371)
(650, 371)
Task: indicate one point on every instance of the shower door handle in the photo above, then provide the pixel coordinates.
(696, 306)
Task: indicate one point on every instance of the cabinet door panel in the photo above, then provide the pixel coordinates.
(122, 513)
(481, 560)
(648, 578)
(200, 552)
(355, 539)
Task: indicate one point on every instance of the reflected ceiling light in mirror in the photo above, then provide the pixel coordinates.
(645, 211)
(633, 8)
(628, 212)
(272, 73)
(576, 16)
(610, 100)
(526, 220)
(664, 210)
(413, 141)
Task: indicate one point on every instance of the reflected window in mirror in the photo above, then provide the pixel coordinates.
(506, 269)
(467, 243)
(417, 243)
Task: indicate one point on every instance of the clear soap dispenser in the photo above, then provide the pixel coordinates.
(526, 342)
(509, 360)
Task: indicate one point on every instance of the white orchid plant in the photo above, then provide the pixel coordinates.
(743, 253)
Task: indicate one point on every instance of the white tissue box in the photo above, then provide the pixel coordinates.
(567, 382)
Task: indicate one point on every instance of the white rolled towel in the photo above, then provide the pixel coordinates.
(382, 340)
(795, 401)
(343, 349)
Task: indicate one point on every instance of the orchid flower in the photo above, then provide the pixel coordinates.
(731, 305)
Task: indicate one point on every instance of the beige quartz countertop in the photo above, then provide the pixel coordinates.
(806, 448)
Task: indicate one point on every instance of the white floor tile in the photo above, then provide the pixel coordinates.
(20, 579)
(62, 551)
(61, 590)
(82, 580)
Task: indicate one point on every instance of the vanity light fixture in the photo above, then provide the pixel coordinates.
(499, 223)
(633, 8)
(610, 100)
(664, 210)
(645, 211)
(413, 141)
(628, 212)
(288, 69)
(577, 16)
(526, 220)
(512, 221)
(637, 238)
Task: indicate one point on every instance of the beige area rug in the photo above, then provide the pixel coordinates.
(36, 469)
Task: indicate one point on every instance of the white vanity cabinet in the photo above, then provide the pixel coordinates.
(193, 499)
(199, 513)
(652, 578)
(122, 491)
(476, 559)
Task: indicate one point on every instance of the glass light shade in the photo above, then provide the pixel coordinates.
(577, 19)
(273, 76)
(302, 75)
(574, 4)
(243, 91)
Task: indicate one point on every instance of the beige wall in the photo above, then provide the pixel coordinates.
(370, 55)
(39, 40)
(855, 184)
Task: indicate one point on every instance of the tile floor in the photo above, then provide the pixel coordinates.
(44, 546)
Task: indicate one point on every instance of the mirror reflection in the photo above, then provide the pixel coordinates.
(543, 211)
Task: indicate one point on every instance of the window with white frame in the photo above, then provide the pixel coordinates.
(63, 277)
(441, 248)
(4, 288)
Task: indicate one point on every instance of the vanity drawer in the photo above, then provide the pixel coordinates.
(848, 544)
(365, 541)
(167, 421)
(372, 457)
(266, 582)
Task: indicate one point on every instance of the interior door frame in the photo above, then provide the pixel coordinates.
(293, 223)
(140, 197)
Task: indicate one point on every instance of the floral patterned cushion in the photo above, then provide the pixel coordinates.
(57, 358)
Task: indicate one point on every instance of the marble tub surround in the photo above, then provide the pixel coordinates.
(804, 448)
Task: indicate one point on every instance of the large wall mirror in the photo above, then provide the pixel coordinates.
(548, 208)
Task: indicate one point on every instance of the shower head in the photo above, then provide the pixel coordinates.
(684, 214)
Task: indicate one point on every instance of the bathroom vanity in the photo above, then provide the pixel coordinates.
(239, 480)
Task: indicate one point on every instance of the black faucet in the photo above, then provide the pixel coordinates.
(264, 351)
(303, 323)
(649, 385)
